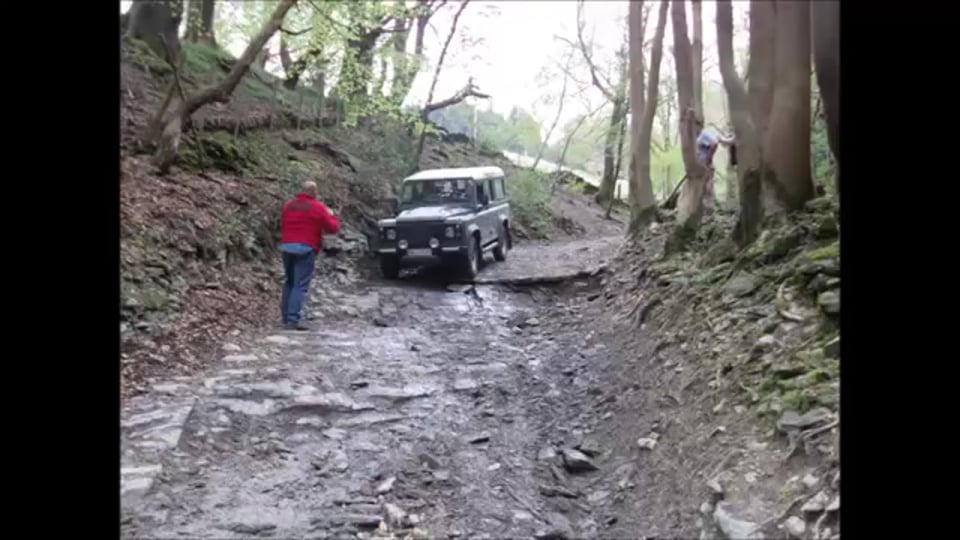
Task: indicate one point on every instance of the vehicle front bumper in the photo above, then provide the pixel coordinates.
(421, 253)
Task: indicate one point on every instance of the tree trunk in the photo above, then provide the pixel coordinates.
(176, 112)
(193, 22)
(826, 56)
(608, 180)
(787, 146)
(760, 73)
(697, 57)
(320, 85)
(615, 94)
(402, 78)
(207, 33)
(356, 68)
(643, 201)
(690, 205)
(286, 61)
(621, 140)
(425, 113)
(569, 138)
(666, 124)
(731, 181)
(748, 149)
(556, 119)
(709, 197)
(149, 19)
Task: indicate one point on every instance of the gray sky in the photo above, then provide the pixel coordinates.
(504, 46)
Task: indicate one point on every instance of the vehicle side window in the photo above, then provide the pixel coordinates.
(488, 188)
(481, 189)
(498, 193)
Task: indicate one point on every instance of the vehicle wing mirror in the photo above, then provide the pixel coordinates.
(484, 199)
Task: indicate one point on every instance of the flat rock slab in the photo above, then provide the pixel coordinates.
(323, 403)
(552, 262)
(137, 479)
(156, 430)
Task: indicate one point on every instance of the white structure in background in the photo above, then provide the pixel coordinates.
(520, 160)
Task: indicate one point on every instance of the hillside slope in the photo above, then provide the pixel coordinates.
(716, 394)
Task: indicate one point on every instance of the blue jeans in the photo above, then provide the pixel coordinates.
(299, 270)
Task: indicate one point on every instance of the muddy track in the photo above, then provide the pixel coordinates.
(413, 406)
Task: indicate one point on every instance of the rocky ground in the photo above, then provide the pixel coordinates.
(554, 398)
(588, 387)
(413, 408)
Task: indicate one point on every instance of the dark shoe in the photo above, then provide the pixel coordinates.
(297, 327)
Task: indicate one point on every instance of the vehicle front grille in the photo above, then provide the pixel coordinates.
(418, 235)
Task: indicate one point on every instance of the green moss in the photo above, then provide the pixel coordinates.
(142, 55)
(810, 358)
(202, 59)
(797, 400)
(805, 380)
(830, 251)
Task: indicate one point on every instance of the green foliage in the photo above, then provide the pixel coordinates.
(586, 145)
(518, 132)
(530, 200)
(523, 134)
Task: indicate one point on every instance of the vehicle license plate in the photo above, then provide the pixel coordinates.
(420, 252)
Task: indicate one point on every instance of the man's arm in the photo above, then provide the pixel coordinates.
(328, 222)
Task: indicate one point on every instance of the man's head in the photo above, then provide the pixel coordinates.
(309, 187)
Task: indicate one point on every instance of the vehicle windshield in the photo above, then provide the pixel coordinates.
(445, 191)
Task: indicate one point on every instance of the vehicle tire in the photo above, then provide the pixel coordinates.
(503, 244)
(390, 266)
(470, 261)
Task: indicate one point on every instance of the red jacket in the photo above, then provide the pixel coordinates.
(304, 220)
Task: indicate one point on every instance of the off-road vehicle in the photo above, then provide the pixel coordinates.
(453, 216)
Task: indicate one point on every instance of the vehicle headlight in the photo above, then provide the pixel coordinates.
(402, 244)
(449, 232)
(391, 234)
(434, 243)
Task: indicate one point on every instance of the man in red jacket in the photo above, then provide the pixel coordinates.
(302, 224)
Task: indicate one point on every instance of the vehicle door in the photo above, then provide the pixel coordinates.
(500, 209)
(480, 217)
(489, 213)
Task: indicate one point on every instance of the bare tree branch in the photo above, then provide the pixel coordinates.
(425, 113)
(563, 96)
(469, 90)
(604, 86)
(295, 32)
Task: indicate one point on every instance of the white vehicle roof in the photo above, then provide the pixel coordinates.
(476, 173)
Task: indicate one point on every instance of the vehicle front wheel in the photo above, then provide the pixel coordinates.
(503, 244)
(390, 266)
(470, 263)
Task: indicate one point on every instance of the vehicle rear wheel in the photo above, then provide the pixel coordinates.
(503, 244)
(470, 262)
(390, 266)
